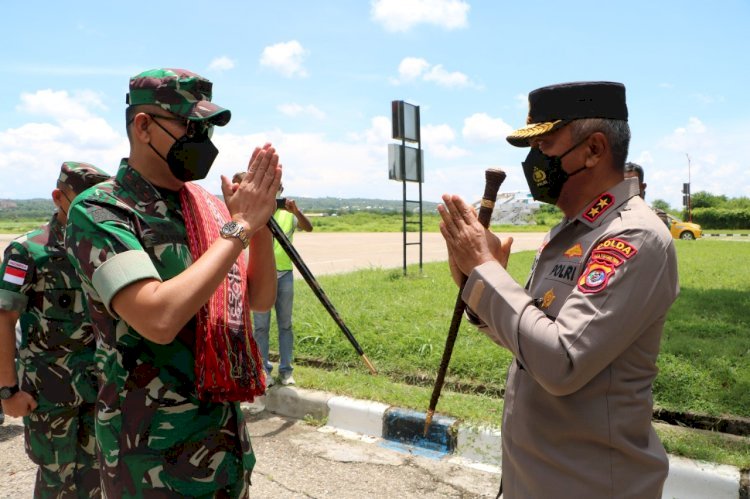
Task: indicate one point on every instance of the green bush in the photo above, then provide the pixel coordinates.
(722, 218)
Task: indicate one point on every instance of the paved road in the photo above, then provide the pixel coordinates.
(296, 460)
(336, 252)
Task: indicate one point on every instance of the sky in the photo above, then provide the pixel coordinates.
(317, 78)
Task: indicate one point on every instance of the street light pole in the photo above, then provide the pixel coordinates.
(689, 193)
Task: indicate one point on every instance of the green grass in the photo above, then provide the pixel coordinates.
(401, 323)
(21, 226)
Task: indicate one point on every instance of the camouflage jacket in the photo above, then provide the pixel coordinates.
(56, 354)
(152, 431)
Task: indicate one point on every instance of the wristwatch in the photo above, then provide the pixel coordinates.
(7, 392)
(233, 229)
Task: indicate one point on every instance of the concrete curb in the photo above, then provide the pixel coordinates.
(726, 235)
(472, 445)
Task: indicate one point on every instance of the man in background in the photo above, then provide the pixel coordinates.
(289, 217)
(54, 387)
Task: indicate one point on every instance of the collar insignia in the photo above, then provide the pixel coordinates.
(599, 206)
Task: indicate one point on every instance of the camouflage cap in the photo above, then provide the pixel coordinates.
(80, 176)
(178, 91)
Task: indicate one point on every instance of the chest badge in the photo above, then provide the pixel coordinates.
(549, 297)
(574, 251)
(599, 206)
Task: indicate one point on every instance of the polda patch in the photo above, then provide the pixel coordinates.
(616, 246)
(598, 207)
(595, 276)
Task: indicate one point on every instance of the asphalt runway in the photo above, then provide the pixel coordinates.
(338, 252)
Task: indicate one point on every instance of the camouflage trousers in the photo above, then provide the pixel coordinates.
(62, 443)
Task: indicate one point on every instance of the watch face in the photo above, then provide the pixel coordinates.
(5, 393)
(229, 228)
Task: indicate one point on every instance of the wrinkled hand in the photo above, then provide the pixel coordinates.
(252, 200)
(469, 243)
(19, 405)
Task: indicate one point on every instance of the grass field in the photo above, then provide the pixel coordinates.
(401, 323)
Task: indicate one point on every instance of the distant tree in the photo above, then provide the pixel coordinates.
(661, 204)
(703, 199)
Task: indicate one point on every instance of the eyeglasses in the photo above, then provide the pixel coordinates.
(192, 128)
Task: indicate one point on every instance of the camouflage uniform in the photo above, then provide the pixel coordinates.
(56, 354)
(155, 437)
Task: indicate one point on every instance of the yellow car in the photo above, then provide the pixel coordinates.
(683, 230)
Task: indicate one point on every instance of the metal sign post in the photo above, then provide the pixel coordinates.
(405, 163)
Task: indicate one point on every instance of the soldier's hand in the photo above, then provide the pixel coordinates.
(19, 405)
(252, 201)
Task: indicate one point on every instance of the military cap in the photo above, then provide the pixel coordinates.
(554, 106)
(178, 91)
(80, 176)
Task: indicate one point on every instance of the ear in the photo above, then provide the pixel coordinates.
(597, 148)
(57, 196)
(140, 130)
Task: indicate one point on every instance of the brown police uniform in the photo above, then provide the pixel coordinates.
(585, 334)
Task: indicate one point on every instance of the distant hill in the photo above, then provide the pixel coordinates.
(14, 209)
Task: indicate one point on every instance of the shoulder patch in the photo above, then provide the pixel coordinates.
(15, 272)
(598, 207)
(595, 276)
(616, 246)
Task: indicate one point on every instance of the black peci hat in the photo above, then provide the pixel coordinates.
(554, 106)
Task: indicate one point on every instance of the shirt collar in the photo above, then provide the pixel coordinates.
(606, 203)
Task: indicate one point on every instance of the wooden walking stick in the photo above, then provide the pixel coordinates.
(493, 179)
(311, 281)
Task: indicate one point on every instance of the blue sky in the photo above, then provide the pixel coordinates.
(316, 78)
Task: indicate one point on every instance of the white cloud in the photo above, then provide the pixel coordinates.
(480, 127)
(60, 104)
(286, 58)
(293, 109)
(713, 166)
(222, 63)
(402, 15)
(437, 141)
(67, 129)
(413, 68)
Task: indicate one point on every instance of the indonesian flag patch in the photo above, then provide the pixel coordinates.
(15, 272)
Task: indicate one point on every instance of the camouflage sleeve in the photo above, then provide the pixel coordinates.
(17, 271)
(104, 250)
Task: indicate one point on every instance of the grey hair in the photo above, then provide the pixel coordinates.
(616, 131)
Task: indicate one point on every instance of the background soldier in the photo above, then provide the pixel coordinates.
(133, 238)
(56, 356)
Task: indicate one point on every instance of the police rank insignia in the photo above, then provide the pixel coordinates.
(599, 206)
(605, 258)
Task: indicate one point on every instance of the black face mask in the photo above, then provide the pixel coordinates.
(545, 175)
(191, 156)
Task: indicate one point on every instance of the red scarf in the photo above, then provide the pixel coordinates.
(228, 366)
